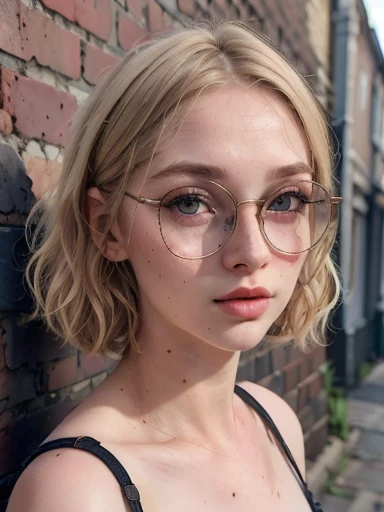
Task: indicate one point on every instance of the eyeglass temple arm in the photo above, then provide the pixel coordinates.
(150, 202)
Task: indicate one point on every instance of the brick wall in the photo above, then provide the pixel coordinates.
(52, 52)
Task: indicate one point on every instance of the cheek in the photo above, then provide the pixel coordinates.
(288, 269)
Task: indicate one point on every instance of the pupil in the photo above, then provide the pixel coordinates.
(189, 205)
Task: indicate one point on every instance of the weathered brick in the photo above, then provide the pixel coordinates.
(303, 396)
(304, 367)
(7, 462)
(67, 8)
(319, 405)
(155, 17)
(40, 111)
(318, 357)
(315, 385)
(291, 374)
(262, 364)
(52, 45)
(187, 7)
(292, 399)
(95, 16)
(21, 387)
(129, 33)
(306, 418)
(135, 8)
(96, 62)
(62, 373)
(6, 125)
(43, 173)
(279, 357)
(29, 33)
(91, 365)
(315, 439)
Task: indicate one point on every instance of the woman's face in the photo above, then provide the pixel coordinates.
(255, 145)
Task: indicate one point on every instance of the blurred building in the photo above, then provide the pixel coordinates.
(358, 82)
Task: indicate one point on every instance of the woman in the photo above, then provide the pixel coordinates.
(193, 217)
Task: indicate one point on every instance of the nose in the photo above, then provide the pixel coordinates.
(246, 250)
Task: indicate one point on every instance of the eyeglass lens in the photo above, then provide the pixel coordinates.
(196, 221)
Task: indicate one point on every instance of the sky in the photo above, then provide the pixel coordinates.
(375, 10)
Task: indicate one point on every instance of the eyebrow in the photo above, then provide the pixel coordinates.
(214, 172)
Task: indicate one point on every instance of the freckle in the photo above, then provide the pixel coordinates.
(262, 476)
(153, 250)
(159, 277)
(169, 351)
(233, 494)
(149, 261)
(146, 391)
(58, 454)
(278, 494)
(121, 389)
(146, 234)
(209, 328)
(144, 421)
(169, 298)
(184, 282)
(184, 381)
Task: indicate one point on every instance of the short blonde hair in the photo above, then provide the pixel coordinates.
(93, 302)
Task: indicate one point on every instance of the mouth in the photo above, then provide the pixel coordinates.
(245, 303)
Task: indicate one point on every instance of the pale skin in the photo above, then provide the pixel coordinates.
(169, 414)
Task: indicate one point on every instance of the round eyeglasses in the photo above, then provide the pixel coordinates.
(198, 220)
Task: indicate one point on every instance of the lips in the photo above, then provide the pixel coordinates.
(246, 294)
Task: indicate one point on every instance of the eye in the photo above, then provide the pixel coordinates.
(289, 201)
(189, 204)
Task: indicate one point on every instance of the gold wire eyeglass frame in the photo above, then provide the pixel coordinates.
(261, 208)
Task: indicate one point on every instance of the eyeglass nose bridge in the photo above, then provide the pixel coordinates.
(259, 203)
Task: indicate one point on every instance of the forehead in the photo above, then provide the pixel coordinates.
(236, 128)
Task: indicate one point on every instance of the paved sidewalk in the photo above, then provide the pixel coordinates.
(361, 484)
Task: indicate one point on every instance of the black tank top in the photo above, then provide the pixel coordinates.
(129, 490)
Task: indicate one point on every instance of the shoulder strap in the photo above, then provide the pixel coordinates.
(258, 408)
(93, 446)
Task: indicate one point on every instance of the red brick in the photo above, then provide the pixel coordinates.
(129, 33)
(10, 37)
(315, 385)
(62, 373)
(305, 367)
(40, 110)
(291, 375)
(27, 34)
(95, 16)
(52, 46)
(279, 358)
(135, 8)
(91, 365)
(43, 173)
(318, 357)
(187, 7)
(155, 17)
(96, 62)
(66, 8)
(303, 396)
(6, 125)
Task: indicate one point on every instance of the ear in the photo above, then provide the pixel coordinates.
(111, 244)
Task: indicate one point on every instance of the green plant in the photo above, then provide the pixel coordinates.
(365, 369)
(337, 405)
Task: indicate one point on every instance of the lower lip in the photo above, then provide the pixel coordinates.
(245, 308)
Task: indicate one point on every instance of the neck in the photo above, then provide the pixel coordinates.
(185, 390)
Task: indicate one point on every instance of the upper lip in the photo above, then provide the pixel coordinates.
(246, 293)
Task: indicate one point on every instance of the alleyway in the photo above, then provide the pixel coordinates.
(361, 484)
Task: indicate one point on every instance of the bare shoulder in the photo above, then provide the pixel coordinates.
(66, 479)
(284, 417)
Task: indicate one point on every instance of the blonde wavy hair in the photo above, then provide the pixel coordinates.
(93, 302)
